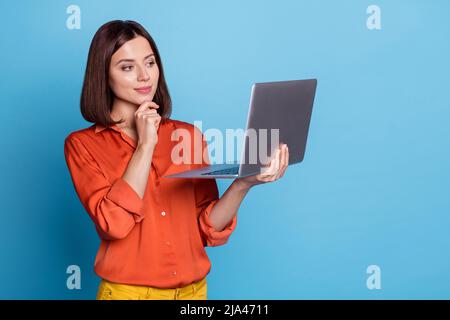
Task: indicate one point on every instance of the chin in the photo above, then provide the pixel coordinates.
(140, 99)
(146, 98)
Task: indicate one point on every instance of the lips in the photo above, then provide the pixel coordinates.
(144, 89)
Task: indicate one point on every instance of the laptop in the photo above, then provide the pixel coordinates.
(279, 111)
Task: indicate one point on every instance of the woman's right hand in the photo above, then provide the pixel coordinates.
(147, 124)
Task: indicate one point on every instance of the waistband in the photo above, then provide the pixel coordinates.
(139, 289)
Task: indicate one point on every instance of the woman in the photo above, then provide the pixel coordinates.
(153, 231)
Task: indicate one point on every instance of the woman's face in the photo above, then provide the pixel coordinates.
(134, 66)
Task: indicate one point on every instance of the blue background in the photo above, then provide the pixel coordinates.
(374, 187)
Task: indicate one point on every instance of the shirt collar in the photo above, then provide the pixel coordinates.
(162, 151)
(100, 128)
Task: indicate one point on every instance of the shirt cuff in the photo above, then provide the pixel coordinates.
(123, 195)
(215, 237)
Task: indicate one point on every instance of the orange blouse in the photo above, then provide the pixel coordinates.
(158, 240)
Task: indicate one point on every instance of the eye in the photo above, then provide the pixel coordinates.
(125, 68)
(151, 63)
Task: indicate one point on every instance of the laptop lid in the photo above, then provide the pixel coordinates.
(279, 111)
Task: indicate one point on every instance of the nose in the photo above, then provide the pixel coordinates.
(143, 74)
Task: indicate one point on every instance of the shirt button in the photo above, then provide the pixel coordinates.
(168, 243)
(174, 273)
(163, 213)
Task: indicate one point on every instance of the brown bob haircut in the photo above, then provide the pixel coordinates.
(96, 96)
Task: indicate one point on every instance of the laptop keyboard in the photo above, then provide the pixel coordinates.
(230, 171)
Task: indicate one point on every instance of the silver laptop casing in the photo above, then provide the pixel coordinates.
(283, 105)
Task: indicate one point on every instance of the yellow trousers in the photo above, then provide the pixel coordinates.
(116, 291)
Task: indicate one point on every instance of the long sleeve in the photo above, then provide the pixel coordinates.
(115, 207)
(206, 196)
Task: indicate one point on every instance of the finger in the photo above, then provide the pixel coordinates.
(287, 155)
(147, 105)
(265, 170)
(152, 117)
(281, 162)
(158, 121)
(268, 163)
(263, 178)
(285, 162)
(268, 171)
(148, 111)
(276, 165)
(277, 161)
(286, 158)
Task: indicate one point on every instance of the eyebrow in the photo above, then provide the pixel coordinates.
(131, 60)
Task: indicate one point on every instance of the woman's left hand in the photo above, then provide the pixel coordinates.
(272, 172)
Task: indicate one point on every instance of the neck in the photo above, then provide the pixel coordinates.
(124, 110)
